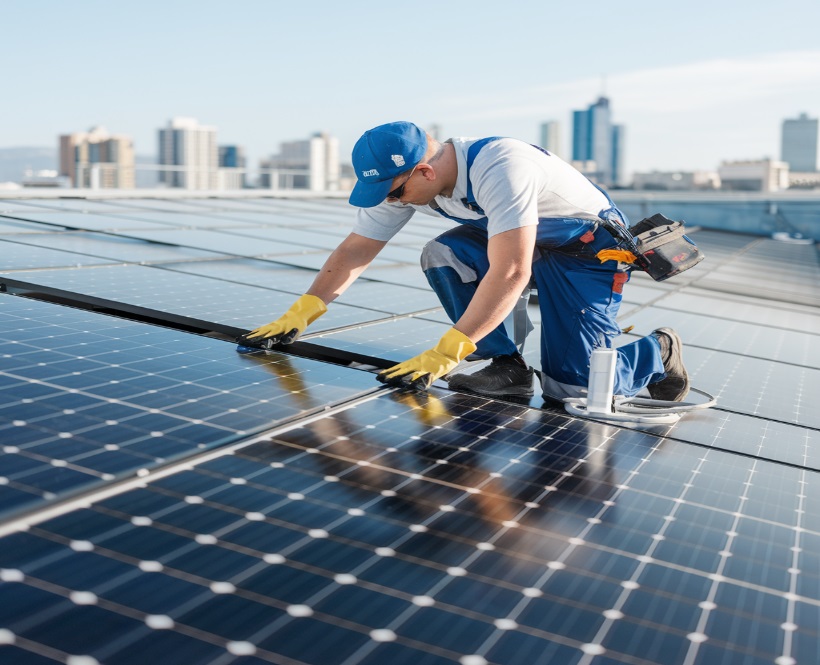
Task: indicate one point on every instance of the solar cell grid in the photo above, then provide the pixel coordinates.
(363, 293)
(19, 256)
(737, 308)
(770, 269)
(86, 397)
(211, 302)
(87, 222)
(314, 238)
(107, 246)
(229, 204)
(167, 204)
(373, 559)
(214, 241)
(739, 337)
(405, 528)
(69, 204)
(332, 224)
(14, 227)
(205, 219)
(397, 339)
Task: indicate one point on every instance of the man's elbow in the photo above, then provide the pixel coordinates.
(515, 273)
(522, 275)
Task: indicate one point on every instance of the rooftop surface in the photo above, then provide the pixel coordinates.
(166, 499)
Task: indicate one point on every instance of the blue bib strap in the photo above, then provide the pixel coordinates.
(469, 201)
(478, 223)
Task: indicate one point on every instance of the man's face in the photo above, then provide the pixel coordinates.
(398, 187)
(416, 189)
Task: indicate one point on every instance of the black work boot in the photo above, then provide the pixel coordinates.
(676, 384)
(504, 376)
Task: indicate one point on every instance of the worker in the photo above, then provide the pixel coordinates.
(521, 214)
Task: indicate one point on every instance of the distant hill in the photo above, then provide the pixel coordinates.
(14, 161)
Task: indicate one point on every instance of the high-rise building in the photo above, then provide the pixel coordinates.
(231, 167)
(189, 152)
(68, 155)
(798, 146)
(550, 137)
(97, 159)
(762, 175)
(596, 139)
(311, 164)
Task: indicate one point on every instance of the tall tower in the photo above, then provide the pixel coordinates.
(191, 148)
(311, 164)
(550, 136)
(97, 159)
(798, 144)
(232, 164)
(68, 154)
(596, 139)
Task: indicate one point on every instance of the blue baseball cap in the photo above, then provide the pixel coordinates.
(380, 155)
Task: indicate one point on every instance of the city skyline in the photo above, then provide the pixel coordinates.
(694, 85)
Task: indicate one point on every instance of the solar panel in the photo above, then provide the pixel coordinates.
(394, 340)
(70, 204)
(747, 339)
(86, 397)
(799, 318)
(168, 499)
(87, 222)
(365, 293)
(227, 243)
(271, 219)
(166, 204)
(773, 270)
(18, 256)
(17, 227)
(212, 304)
(375, 535)
(205, 219)
(108, 246)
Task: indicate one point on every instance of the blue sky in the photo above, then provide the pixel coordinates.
(694, 82)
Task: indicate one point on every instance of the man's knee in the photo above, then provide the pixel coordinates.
(438, 255)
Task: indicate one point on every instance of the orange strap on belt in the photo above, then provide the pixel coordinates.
(622, 255)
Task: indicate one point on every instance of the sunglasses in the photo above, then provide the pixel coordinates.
(397, 193)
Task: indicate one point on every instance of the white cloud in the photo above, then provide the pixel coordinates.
(718, 83)
(678, 117)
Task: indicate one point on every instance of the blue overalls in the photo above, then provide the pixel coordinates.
(579, 296)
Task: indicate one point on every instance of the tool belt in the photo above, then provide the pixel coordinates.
(656, 245)
(663, 249)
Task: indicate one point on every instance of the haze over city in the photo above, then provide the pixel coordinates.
(694, 84)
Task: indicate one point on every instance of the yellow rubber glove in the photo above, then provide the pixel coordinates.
(287, 327)
(421, 371)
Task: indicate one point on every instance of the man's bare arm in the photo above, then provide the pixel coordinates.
(510, 255)
(344, 265)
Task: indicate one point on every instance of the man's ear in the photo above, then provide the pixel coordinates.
(427, 171)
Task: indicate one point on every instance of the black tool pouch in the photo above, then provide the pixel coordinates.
(663, 250)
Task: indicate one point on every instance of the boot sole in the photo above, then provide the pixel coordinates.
(518, 391)
(508, 393)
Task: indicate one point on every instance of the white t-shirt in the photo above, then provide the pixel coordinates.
(514, 183)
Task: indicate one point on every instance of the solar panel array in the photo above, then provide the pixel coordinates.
(165, 498)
